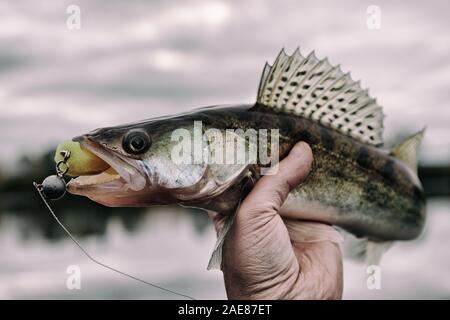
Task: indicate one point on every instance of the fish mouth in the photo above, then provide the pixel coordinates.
(123, 175)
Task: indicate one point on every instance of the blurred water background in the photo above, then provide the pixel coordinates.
(133, 60)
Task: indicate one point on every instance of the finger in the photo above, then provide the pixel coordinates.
(270, 192)
(321, 275)
(317, 247)
(310, 231)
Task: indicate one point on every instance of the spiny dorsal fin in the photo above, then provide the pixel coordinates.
(314, 89)
(408, 150)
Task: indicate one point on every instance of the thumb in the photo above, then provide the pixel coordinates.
(270, 192)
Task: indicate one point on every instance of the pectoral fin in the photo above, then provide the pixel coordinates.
(215, 262)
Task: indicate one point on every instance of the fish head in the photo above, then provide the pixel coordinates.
(153, 163)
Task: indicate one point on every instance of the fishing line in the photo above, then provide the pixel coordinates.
(40, 190)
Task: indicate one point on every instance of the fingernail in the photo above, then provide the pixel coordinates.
(299, 149)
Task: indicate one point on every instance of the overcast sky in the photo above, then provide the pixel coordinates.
(133, 60)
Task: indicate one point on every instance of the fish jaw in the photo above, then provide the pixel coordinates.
(124, 180)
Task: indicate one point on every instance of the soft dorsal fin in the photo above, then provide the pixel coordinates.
(314, 89)
(408, 150)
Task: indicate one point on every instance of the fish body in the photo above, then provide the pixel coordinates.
(361, 188)
(353, 183)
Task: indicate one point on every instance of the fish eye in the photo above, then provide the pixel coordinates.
(136, 142)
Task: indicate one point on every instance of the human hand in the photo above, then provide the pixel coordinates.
(266, 257)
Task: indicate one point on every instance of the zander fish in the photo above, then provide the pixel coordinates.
(354, 184)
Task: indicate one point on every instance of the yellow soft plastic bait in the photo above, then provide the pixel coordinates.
(81, 162)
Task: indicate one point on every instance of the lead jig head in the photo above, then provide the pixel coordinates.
(54, 187)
